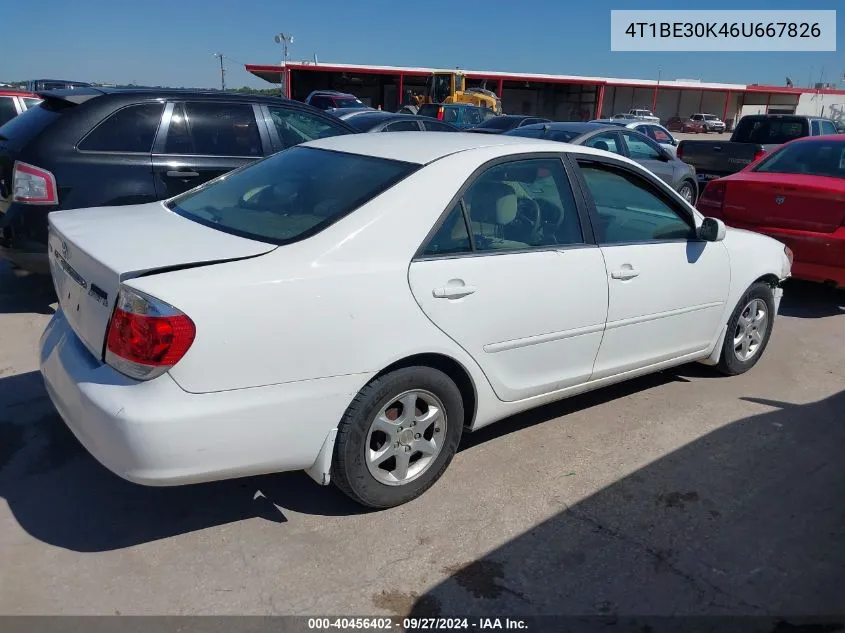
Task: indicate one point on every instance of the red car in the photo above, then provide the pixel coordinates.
(796, 195)
(677, 124)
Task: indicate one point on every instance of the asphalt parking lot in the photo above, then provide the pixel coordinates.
(678, 493)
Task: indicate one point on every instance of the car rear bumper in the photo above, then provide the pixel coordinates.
(155, 433)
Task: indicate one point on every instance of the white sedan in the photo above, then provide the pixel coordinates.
(351, 306)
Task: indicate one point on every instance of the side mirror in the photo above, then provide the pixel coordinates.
(712, 230)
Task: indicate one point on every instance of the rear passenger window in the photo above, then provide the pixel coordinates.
(452, 236)
(213, 129)
(816, 129)
(606, 141)
(523, 204)
(8, 111)
(828, 127)
(131, 130)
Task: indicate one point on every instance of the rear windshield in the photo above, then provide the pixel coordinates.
(770, 131)
(499, 123)
(812, 158)
(30, 123)
(429, 109)
(291, 195)
(347, 102)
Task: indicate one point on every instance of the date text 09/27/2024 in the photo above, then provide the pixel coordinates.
(416, 624)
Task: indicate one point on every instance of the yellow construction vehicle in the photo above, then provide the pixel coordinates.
(450, 87)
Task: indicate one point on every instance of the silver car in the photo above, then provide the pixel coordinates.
(655, 132)
(625, 142)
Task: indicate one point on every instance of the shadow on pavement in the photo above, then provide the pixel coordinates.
(23, 294)
(807, 300)
(748, 519)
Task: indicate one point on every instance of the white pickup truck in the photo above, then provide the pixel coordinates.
(642, 115)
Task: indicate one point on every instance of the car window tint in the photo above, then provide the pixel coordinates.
(607, 141)
(828, 127)
(8, 111)
(403, 126)
(450, 115)
(811, 158)
(452, 236)
(437, 126)
(640, 148)
(222, 129)
(660, 135)
(290, 195)
(297, 126)
(472, 116)
(523, 204)
(629, 210)
(130, 129)
(31, 102)
(816, 130)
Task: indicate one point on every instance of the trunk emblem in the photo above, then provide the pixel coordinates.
(780, 199)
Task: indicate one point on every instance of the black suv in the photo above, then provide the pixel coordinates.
(91, 147)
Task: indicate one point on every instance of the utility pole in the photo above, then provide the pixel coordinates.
(284, 39)
(222, 71)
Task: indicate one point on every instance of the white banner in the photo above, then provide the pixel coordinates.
(705, 31)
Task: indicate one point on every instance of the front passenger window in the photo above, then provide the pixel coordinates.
(629, 210)
(639, 148)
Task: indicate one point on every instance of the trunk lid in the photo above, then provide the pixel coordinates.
(92, 251)
(785, 201)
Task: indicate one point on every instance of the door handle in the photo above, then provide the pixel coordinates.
(453, 292)
(177, 173)
(625, 273)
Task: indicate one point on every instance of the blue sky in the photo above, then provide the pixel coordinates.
(171, 43)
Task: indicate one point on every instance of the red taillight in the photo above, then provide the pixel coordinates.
(679, 152)
(439, 114)
(712, 198)
(146, 337)
(33, 185)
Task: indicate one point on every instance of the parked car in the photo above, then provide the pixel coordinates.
(333, 100)
(345, 113)
(711, 122)
(380, 121)
(754, 136)
(625, 142)
(687, 125)
(655, 132)
(461, 115)
(449, 282)
(503, 123)
(13, 102)
(40, 85)
(642, 115)
(92, 147)
(795, 194)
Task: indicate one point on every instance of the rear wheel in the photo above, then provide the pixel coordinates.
(398, 436)
(749, 330)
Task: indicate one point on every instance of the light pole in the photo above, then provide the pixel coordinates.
(284, 39)
(222, 71)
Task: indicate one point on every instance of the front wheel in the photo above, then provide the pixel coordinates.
(398, 436)
(749, 330)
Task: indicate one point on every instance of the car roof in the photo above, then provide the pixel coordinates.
(331, 93)
(424, 147)
(579, 127)
(80, 95)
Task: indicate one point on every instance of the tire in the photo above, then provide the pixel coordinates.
(691, 187)
(733, 361)
(376, 481)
